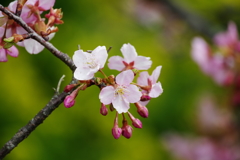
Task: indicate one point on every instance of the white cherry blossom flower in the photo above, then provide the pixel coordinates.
(121, 94)
(89, 63)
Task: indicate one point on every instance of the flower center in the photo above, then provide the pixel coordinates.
(121, 90)
(91, 62)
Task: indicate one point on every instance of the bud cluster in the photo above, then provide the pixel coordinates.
(117, 92)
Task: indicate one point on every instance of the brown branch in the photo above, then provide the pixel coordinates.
(32, 124)
(62, 56)
(55, 101)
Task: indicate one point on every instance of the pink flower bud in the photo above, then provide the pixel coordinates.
(116, 131)
(142, 110)
(126, 129)
(69, 101)
(103, 110)
(69, 87)
(145, 97)
(135, 122)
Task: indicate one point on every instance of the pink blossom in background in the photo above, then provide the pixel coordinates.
(215, 65)
(202, 148)
(122, 93)
(228, 39)
(89, 63)
(131, 60)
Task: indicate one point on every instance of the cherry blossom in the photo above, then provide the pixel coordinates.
(228, 39)
(122, 93)
(12, 51)
(89, 63)
(33, 6)
(213, 64)
(149, 84)
(131, 60)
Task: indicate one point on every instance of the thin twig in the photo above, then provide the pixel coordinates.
(59, 84)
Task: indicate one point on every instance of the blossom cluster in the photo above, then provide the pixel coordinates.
(221, 64)
(120, 91)
(30, 12)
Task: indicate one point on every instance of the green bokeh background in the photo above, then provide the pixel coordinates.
(81, 132)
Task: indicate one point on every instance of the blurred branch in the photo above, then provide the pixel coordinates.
(196, 22)
(62, 56)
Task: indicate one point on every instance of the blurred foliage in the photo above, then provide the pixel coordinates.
(81, 132)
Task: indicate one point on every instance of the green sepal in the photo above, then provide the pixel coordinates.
(8, 40)
(8, 45)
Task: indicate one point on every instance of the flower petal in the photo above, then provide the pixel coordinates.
(143, 78)
(13, 51)
(133, 95)
(46, 4)
(79, 58)
(156, 90)
(106, 95)
(120, 104)
(116, 62)
(125, 77)
(83, 73)
(32, 46)
(155, 74)
(3, 55)
(101, 55)
(129, 52)
(142, 63)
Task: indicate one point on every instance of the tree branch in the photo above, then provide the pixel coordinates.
(62, 56)
(55, 101)
(32, 124)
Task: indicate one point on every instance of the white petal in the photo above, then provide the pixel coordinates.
(133, 95)
(143, 78)
(101, 55)
(120, 104)
(83, 73)
(129, 52)
(155, 74)
(79, 58)
(156, 90)
(106, 95)
(32, 46)
(125, 77)
(142, 63)
(116, 62)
